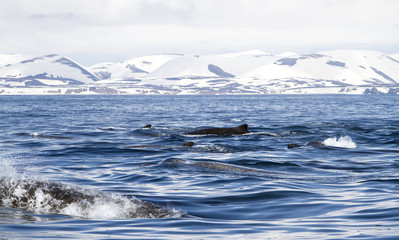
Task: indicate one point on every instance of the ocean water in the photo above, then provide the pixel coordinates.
(83, 167)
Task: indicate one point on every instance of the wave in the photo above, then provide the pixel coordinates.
(236, 120)
(269, 134)
(112, 128)
(214, 148)
(42, 135)
(58, 198)
(342, 142)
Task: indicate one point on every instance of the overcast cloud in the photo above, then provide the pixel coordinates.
(92, 31)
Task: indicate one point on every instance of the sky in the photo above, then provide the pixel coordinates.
(93, 31)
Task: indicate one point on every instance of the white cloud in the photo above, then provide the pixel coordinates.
(100, 30)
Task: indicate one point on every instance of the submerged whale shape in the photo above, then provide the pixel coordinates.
(242, 129)
(223, 167)
(58, 198)
(187, 144)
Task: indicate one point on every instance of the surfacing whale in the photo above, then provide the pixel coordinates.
(237, 170)
(311, 144)
(242, 129)
(58, 198)
(223, 167)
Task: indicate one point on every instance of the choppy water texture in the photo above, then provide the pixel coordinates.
(83, 167)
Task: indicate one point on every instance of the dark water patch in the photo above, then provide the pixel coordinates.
(382, 214)
(376, 151)
(261, 196)
(344, 164)
(29, 144)
(281, 204)
(88, 150)
(388, 181)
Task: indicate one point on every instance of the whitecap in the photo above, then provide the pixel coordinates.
(35, 134)
(342, 142)
(113, 128)
(236, 120)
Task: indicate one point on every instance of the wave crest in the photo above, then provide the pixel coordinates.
(342, 142)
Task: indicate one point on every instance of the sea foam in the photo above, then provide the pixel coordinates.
(342, 142)
(58, 198)
(43, 196)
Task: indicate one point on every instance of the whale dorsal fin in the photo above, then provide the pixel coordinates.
(243, 128)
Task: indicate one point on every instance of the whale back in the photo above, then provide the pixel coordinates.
(242, 129)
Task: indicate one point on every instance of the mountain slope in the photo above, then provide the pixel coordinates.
(259, 72)
(49, 70)
(350, 67)
(251, 72)
(332, 68)
(132, 69)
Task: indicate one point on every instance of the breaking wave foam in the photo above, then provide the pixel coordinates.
(58, 198)
(46, 197)
(342, 142)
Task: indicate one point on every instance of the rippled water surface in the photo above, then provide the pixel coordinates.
(84, 167)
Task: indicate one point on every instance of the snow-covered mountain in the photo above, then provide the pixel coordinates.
(132, 69)
(250, 72)
(50, 70)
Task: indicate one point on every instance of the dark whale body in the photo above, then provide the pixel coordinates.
(242, 129)
(55, 198)
(311, 144)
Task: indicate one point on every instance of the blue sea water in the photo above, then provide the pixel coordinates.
(71, 167)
